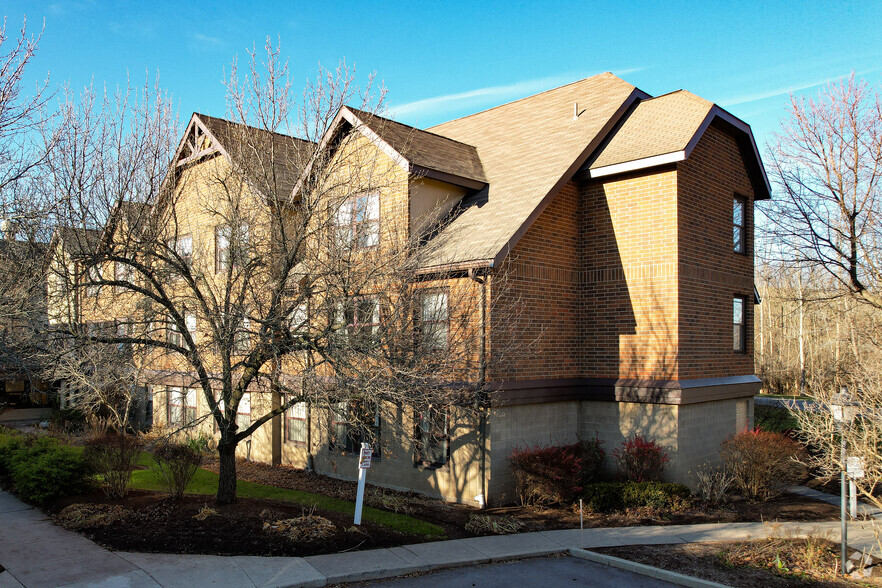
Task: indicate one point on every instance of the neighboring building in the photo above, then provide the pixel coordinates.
(623, 225)
(23, 394)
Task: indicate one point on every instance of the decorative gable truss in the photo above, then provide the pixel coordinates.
(196, 144)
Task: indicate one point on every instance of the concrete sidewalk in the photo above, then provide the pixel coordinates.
(36, 552)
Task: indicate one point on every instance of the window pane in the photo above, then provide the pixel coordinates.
(738, 325)
(185, 246)
(434, 306)
(300, 317)
(190, 319)
(191, 398)
(738, 224)
(298, 410)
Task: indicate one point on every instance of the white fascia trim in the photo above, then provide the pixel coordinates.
(644, 163)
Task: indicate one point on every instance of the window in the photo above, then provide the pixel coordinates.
(296, 423)
(352, 424)
(433, 437)
(175, 406)
(183, 247)
(122, 273)
(298, 321)
(738, 209)
(222, 236)
(243, 413)
(174, 334)
(226, 249)
(432, 320)
(739, 342)
(242, 336)
(181, 405)
(358, 221)
(362, 317)
(124, 330)
(93, 281)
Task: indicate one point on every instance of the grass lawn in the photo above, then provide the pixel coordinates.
(205, 482)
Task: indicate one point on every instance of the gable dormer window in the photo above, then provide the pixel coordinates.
(358, 221)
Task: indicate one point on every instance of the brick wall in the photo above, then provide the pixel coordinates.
(629, 292)
(711, 273)
(536, 297)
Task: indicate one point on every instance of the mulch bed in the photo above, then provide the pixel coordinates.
(702, 560)
(156, 523)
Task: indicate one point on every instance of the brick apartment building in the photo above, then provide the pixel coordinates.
(623, 225)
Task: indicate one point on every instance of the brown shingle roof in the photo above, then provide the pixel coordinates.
(425, 149)
(527, 149)
(657, 126)
(272, 160)
(78, 241)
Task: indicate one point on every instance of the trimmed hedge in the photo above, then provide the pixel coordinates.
(41, 469)
(612, 496)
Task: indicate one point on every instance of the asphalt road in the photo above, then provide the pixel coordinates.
(549, 572)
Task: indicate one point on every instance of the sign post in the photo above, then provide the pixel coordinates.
(855, 470)
(364, 462)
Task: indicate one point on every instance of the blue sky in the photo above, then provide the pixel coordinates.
(441, 60)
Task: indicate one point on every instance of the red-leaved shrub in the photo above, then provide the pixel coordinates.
(640, 459)
(762, 463)
(547, 475)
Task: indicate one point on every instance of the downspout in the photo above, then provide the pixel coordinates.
(482, 380)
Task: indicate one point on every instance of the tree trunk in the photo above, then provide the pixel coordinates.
(226, 484)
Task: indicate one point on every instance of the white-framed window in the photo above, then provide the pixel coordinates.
(362, 316)
(183, 246)
(358, 221)
(228, 249)
(353, 423)
(433, 319)
(296, 423)
(242, 336)
(122, 272)
(222, 238)
(243, 412)
(739, 208)
(174, 336)
(93, 281)
(433, 436)
(298, 320)
(181, 405)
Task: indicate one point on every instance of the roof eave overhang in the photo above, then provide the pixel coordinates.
(456, 180)
(746, 143)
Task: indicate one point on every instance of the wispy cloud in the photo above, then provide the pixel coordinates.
(783, 91)
(485, 96)
(205, 40)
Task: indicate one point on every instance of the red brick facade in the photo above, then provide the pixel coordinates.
(633, 276)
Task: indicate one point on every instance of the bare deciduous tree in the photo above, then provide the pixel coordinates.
(259, 272)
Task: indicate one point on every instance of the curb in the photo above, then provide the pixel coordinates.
(639, 568)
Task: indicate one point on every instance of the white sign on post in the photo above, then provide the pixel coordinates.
(854, 467)
(364, 462)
